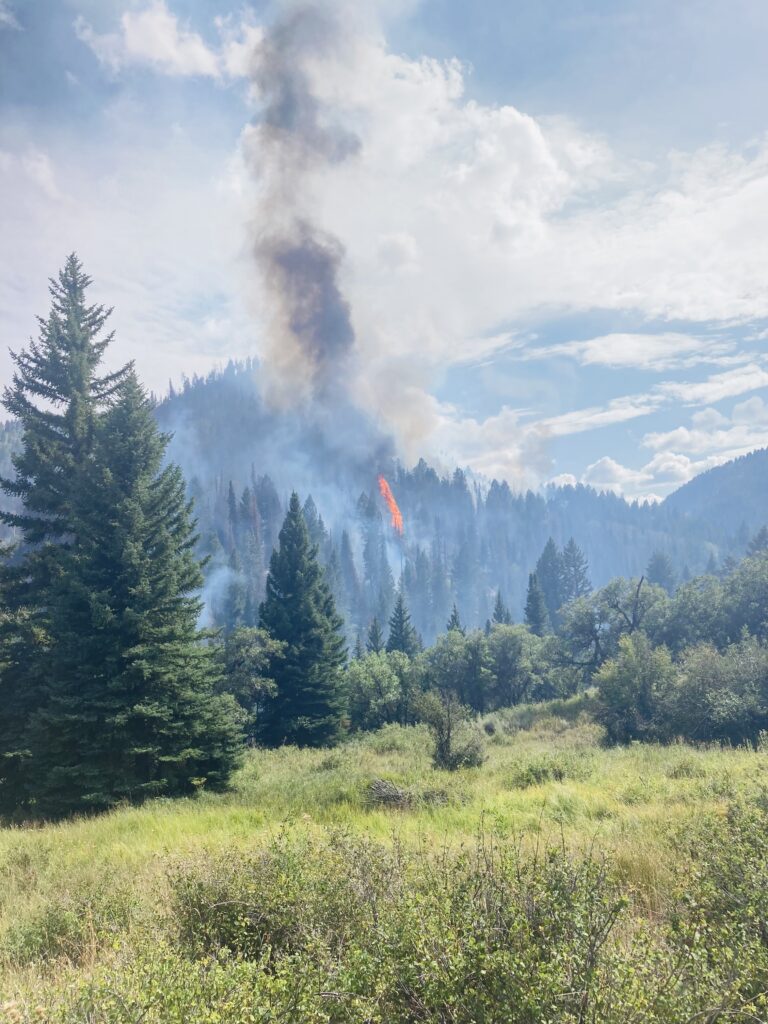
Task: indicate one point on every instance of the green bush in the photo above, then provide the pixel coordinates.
(550, 768)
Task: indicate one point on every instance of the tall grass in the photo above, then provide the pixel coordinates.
(305, 845)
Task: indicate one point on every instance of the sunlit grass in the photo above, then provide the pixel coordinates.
(546, 779)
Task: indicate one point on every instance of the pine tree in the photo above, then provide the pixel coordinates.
(549, 575)
(455, 621)
(375, 641)
(661, 571)
(130, 710)
(402, 635)
(536, 617)
(574, 573)
(501, 614)
(299, 611)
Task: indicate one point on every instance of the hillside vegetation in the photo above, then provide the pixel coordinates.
(559, 881)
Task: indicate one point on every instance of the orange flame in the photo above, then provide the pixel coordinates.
(396, 516)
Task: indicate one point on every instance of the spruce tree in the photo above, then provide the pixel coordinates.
(299, 611)
(574, 573)
(455, 621)
(501, 614)
(536, 617)
(661, 571)
(129, 710)
(549, 570)
(402, 635)
(57, 394)
(375, 641)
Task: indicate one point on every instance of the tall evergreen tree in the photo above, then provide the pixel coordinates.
(661, 571)
(57, 394)
(375, 641)
(300, 612)
(574, 573)
(549, 575)
(129, 710)
(501, 614)
(536, 617)
(455, 621)
(402, 635)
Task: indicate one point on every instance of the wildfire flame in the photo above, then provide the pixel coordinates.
(396, 516)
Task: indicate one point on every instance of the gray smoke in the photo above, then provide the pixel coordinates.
(311, 339)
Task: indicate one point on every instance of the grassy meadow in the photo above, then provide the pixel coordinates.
(126, 917)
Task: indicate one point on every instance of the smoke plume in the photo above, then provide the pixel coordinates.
(311, 340)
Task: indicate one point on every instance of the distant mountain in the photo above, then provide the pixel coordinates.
(731, 499)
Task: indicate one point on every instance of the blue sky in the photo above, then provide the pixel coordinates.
(555, 229)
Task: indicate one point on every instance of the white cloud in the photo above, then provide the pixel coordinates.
(662, 351)
(34, 166)
(152, 36)
(608, 475)
(752, 412)
(718, 386)
(39, 167)
(618, 410)
(158, 232)
(707, 419)
(563, 480)
(714, 436)
(653, 481)
(7, 18)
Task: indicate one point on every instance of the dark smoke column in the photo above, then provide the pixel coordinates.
(311, 338)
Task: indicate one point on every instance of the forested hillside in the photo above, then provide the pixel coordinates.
(733, 498)
(464, 539)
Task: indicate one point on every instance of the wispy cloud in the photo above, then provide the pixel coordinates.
(7, 18)
(718, 386)
(657, 352)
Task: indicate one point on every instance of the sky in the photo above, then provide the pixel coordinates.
(554, 229)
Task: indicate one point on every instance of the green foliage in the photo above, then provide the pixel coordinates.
(501, 614)
(550, 767)
(592, 626)
(513, 658)
(454, 622)
(333, 928)
(374, 643)
(456, 745)
(661, 572)
(574, 573)
(118, 701)
(402, 634)
(718, 696)
(299, 613)
(245, 656)
(536, 615)
(374, 690)
(631, 688)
